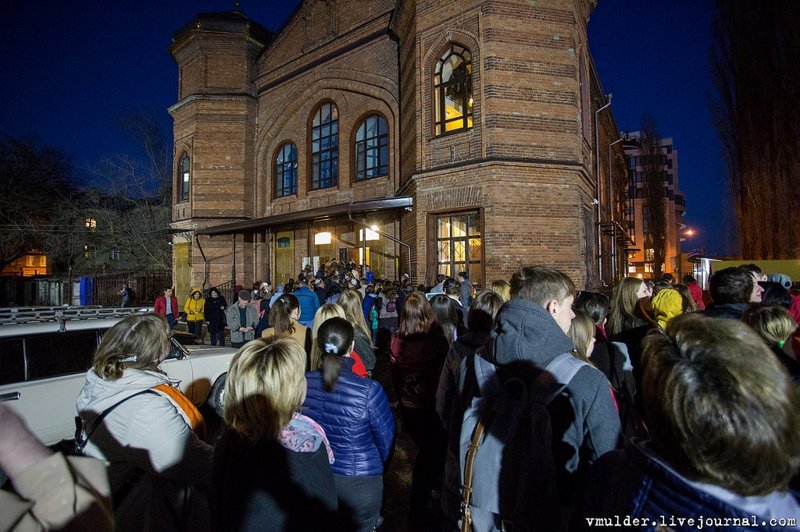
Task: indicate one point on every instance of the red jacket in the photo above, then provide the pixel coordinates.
(161, 306)
(697, 295)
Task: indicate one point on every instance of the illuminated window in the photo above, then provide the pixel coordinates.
(453, 90)
(286, 170)
(325, 147)
(91, 224)
(458, 245)
(89, 251)
(115, 254)
(372, 148)
(183, 185)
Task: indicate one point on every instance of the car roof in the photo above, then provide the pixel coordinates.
(24, 321)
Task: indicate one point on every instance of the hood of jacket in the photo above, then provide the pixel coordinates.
(98, 394)
(196, 291)
(525, 332)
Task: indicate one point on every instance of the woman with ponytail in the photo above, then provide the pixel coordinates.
(357, 419)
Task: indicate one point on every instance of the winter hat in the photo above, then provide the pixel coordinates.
(784, 280)
(244, 295)
(666, 305)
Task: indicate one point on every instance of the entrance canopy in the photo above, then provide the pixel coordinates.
(320, 213)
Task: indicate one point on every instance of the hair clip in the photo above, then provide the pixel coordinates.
(129, 358)
(331, 349)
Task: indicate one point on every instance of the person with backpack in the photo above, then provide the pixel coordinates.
(538, 415)
(481, 316)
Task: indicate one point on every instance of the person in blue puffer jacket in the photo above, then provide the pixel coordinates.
(355, 414)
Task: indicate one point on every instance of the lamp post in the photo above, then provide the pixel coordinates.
(613, 212)
(597, 188)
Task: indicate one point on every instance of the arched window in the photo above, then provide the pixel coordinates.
(183, 184)
(372, 148)
(286, 170)
(325, 147)
(453, 90)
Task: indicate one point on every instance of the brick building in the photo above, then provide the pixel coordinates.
(419, 136)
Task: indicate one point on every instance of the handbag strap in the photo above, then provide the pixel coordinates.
(81, 442)
(472, 451)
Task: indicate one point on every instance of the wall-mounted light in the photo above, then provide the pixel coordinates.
(371, 234)
(322, 238)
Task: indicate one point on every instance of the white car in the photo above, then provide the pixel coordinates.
(45, 353)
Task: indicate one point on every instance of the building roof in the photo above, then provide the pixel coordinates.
(228, 21)
(320, 213)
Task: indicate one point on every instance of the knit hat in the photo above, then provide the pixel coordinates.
(244, 295)
(784, 280)
(666, 304)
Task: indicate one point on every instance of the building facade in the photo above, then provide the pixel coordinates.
(640, 260)
(415, 136)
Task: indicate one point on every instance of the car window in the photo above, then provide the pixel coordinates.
(51, 355)
(12, 363)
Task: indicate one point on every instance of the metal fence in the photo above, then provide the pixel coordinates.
(103, 289)
(148, 286)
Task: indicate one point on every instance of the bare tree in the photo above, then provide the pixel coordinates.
(758, 83)
(135, 205)
(36, 187)
(653, 176)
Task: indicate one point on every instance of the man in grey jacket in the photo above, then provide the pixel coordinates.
(242, 320)
(529, 332)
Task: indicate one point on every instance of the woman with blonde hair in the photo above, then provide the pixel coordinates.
(418, 351)
(283, 320)
(776, 326)
(503, 289)
(324, 313)
(581, 332)
(134, 417)
(351, 303)
(272, 468)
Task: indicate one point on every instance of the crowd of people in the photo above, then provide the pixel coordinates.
(531, 405)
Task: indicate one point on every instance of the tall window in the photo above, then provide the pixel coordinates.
(372, 148)
(453, 90)
(325, 147)
(183, 187)
(458, 243)
(286, 170)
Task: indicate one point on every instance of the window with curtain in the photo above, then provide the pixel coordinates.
(453, 90)
(458, 245)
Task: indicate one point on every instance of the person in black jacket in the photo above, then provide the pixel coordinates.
(215, 316)
(732, 290)
(272, 467)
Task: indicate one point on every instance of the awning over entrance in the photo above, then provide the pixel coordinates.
(320, 213)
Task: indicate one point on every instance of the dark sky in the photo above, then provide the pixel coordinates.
(70, 69)
(654, 56)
